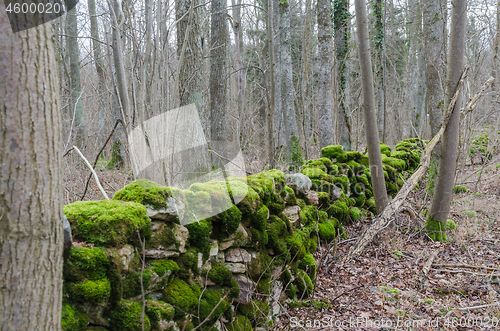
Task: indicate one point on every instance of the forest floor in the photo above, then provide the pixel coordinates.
(385, 289)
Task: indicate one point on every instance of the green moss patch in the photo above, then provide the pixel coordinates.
(303, 284)
(339, 210)
(181, 297)
(159, 311)
(459, 189)
(308, 264)
(93, 292)
(73, 319)
(334, 153)
(240, 323)
(255, 311)
(109, 222)
(435, 229)
(85, 263)
(145, 192)
(127, 316)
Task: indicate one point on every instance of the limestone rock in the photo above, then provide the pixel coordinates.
(68, 238)
(161, 254)
(239, 239)
(336, 194)
(236, 268)
(126, 255)
(292, 212)
(238, 255)
(312, 198)
(181, 235)
(173, 213)
(247, 287)
(300, 183)
(96, 314)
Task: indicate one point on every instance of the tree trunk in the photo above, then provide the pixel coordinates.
(341, 18)
(31, 231)
(378, 12)
(75, 100)
(294, 154)
(436, 222)
(279, 118)
(272, 83)
(218, 75)
(372, 140)
(433, 48)
(101, 74)
(325, 93)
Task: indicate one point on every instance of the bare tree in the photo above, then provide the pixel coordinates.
(31, 226)
(75, 103)
(325, 93)
(372, 139)
(436, 222)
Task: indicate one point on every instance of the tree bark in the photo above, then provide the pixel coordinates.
(434, 50)
(436, 222)
(341, 18)
(378, 12)
(279, 118)
(294, 153)
(75, 100)
(325, 93)
(372, 139)
(31, 226)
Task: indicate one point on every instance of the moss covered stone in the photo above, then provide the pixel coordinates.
(199, 233)
(354, 156)
(219, 196)
(326, 230)
(384, 149)
(360, 200)
(90, 291)
(339, 210)
(355, 214)
(165, 267)
(398, 164)
(290, 198)
(308, 215)
(255, 311)
(276, 229)
(145, 192)
(246, 199)
(370, 205)
(211, 307)
(85, 263)
(127, 316)
(109, 222)
(308, 264)
(73, 319)
(226, 223)
(159, 311)
(316, 173)
(303, 284)
(334, 153)
(296, 243)
(240, 323)
(450, 225)
(322, 186)
(220, 275)
(459, 189)
(180, 295)
(342, 183)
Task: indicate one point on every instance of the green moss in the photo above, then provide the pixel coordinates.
(181, 296)
(327, 230)
(384, 149)
(276, 229)
(334, 153)
(90, 291)
(322, 186)
(127, 316)
(459, 189)
(303, 284)
(249, 200)
(357, 169)
(109, 222)
(159, 311)
(296, 243)
(291, 291)
(255, 311)
(323, 163)
(354, 156)
(435, 229)
(199, 232)
(73, 319)
(220, 275)
(355, 214)
(145, 192)
(342, 183)
(240, 323)
(450, 225)
(211, 307)
(259, 267)
(259, 219)
(324, 199)
(218, 191)
(370, 205)
(316, 173)
(226, 223)
(263, 286)
(308, 264)
(295, 153)
(290, 198)
(312, 243)
(360, 200)
(308, 215)
(259, 238)
(363, 179)
(395, 163)
(85, 263)
(188, 262)
(339, 210)
(234, 290)
(277, 205)
(132, 282)
(197, 203)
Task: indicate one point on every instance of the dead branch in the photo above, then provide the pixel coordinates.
(427, 265)
(467, 266)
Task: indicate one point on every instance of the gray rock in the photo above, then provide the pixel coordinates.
(247, 287)
(160, 254)
(238, 255)
(126, 255)
(68, 238)
(312, 198)
(292, 212)
(236, 268)
(174, 212)
(239, 239)
(336, 194)
(300, 183)
(181, 235)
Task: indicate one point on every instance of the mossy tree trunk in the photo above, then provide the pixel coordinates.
(372, 138)
(436, 222)
(31, 227)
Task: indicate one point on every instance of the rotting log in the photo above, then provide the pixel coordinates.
(384, 219)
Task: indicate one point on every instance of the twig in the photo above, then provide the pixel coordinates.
(90, 167)
(427, 265)
(465, 272)
(479, 307)
(449, 265)
(345, 292)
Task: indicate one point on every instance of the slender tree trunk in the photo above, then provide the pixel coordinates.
(325, 93)
(433, 48)
(271, 78)
(494, 125)
(341, 24)
(436, 222)
(378, 12)
(372, 140)
(294, 154)
(279, 118)
(100, 69)
(31, 226)
(75, 103)
(305, 90)
(218, 75)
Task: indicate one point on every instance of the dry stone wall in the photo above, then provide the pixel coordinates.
(231, 268)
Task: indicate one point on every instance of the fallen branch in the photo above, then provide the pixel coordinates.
(384, 218)
(468, 266)
(466, 272)
(479, 307)
(91, 169)
(427, 265)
